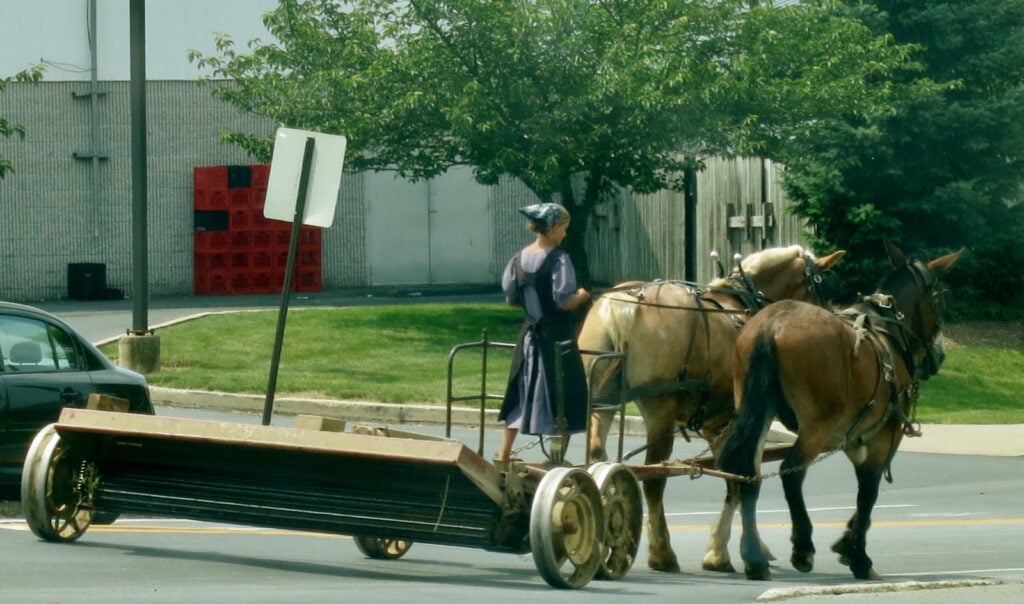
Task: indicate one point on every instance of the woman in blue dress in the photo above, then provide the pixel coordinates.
(542, 280)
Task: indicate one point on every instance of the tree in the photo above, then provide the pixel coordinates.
(574, 98)
(943, 170)
(8, 129)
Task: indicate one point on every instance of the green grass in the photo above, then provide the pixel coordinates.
(400, 354)
(375, 353)
(975, 386)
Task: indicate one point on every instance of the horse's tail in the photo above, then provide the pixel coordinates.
(618, 314)
(607, 329)
(761, 398)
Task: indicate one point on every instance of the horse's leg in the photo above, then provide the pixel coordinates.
(660, 418)
(600, 425)
(793, 470)
(717, 557)
(754, 560)
(852, 546)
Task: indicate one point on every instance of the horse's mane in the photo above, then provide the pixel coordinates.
(764, 259)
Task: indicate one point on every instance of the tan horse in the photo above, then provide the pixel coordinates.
(842, 381)
(679, 347)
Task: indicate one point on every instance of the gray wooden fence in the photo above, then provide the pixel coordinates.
(741, 208)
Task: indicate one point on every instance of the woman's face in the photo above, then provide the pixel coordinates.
(558, 231)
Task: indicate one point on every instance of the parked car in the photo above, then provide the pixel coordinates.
(45, 365)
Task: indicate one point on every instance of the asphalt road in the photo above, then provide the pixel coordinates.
(948, 530)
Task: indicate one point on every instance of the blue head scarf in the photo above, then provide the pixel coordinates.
(548, 214)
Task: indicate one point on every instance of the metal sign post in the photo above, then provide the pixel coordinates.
(286, 287)
(317, 178)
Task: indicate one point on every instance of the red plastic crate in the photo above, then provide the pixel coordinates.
(263, 239)
(260, 175)
(206, 262)
(310, 236)
(262, 261)
(239, 198)
(211, 241)
(209, 198)
(204, 177)
(265, 282)
(239, 261)
(259, 221)
(240, 218)
(308, 280)
(307, 259)
(240, 282)
(240, 240)
(211, 285)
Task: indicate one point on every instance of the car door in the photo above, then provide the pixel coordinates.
(43, 373)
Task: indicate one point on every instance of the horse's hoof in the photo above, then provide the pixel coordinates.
(802, 562)
(716, 565)
(667, 564)
(758, 572)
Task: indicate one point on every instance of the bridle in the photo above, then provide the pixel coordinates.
(931, 295)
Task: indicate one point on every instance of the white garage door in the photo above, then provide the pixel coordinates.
(428, 232)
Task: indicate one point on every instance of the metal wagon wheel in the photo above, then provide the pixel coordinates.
(382, 548)
(623, 518)
(52, 489)
(566, 525)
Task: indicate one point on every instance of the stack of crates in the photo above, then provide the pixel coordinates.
(237, 250)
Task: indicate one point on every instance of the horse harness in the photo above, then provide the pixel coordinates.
(740, 287)
(871, 322)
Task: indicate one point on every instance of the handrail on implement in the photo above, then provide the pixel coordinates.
(483, 396)
(614, 399)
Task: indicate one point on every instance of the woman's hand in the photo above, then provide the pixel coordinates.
(578, 299)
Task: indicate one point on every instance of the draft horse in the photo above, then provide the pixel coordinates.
(841, 381)
(678, 341)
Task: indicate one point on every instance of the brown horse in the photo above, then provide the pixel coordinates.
(678, 342)
(841, 381)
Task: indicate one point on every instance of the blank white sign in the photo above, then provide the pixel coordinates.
(286, 171)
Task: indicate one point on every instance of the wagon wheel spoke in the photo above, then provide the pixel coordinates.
(566, 522)
(623, 512)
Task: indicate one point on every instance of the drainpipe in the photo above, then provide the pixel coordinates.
(93, 154)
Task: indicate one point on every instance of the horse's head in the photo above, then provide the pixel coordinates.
(919, 301)
(790, 273)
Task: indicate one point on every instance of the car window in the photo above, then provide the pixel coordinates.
(65, 354)
(31, 346)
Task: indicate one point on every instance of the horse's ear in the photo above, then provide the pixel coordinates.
(944, 263)
(827, 262)
(896, 256)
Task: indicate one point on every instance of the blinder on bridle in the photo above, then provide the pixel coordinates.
(824, 283)
(933, 299)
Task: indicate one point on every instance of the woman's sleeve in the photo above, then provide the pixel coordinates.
(508, 284)
(563, 284)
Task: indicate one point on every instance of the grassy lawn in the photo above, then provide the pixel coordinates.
(400, 354)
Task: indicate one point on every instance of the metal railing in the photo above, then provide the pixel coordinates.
(609, 398)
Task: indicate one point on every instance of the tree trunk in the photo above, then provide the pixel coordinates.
(575, 239)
